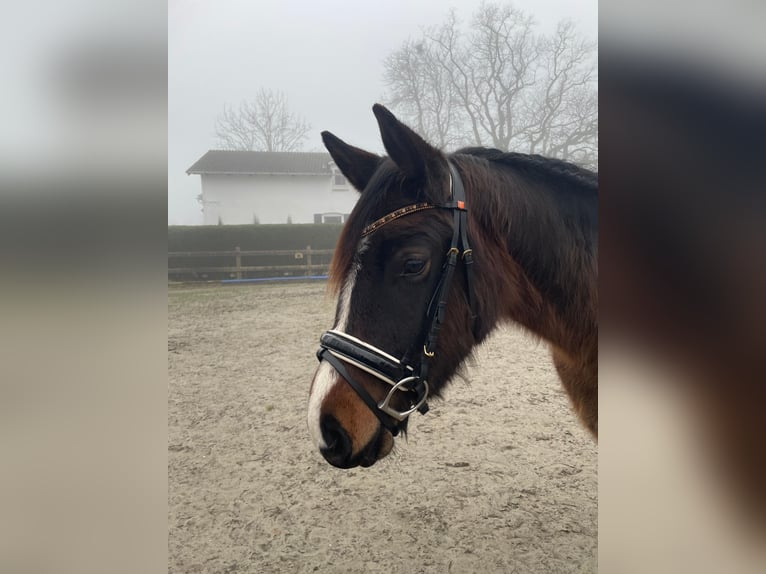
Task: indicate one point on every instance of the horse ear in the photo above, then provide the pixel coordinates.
(356, 164)
(410, 152)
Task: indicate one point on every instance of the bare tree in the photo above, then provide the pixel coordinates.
(500, 83)
(422, 90)
(263, 124)
(563, 120)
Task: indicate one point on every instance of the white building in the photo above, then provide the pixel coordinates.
(272, 187)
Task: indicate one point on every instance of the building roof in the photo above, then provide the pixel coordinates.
(262, 162)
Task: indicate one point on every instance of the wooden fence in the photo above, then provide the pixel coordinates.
(307, 262)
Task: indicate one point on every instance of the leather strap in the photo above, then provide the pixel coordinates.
(370, 357)
(467, 252)
(324, 355)
(459, 241)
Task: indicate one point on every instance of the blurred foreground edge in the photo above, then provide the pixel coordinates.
(683, 277)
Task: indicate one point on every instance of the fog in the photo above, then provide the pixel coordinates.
(326, 57)
(83, 418)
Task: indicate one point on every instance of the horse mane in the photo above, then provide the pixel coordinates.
(538, 166)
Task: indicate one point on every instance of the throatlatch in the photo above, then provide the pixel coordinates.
(339, 349)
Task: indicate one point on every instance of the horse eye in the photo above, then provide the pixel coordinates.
(413, 266)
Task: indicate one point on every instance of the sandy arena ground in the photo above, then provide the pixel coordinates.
(499, 477)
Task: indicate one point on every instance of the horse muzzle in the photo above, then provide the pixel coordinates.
(340, 349)
(339, 453)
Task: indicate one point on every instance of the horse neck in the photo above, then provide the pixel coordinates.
(536, 258)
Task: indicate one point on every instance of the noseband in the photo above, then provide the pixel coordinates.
(339, 349)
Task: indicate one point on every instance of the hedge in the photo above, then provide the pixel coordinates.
(261, 237)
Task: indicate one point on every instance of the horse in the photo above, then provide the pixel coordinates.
(438, 251)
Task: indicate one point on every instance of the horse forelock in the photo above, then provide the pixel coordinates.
(368, 207)
(342, 258)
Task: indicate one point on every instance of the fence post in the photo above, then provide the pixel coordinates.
(238, 262)
(308, 260)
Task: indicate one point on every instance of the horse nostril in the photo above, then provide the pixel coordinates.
(338, 449)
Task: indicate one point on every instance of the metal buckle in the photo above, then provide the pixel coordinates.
(400, 416)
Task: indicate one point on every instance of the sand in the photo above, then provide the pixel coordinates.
(498, 477)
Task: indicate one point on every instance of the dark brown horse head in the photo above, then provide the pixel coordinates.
(386, 276)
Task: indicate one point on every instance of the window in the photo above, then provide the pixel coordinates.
(339, 182)
(330, 217)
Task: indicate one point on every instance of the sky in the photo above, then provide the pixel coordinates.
(327, 57)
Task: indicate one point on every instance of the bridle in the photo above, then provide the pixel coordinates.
(339, 349)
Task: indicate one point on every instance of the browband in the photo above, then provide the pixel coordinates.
(395, 215)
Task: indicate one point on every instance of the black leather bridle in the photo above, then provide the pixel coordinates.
(339, 349)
